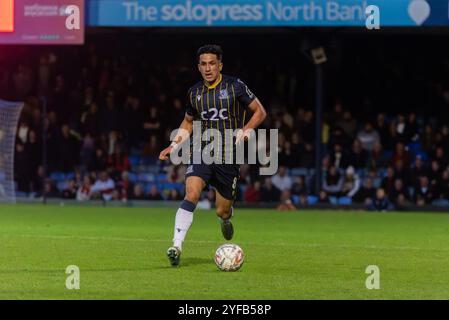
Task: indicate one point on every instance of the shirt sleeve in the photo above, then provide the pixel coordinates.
(190, 110)
(243, 94)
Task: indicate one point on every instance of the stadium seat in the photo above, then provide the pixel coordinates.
(132, 177)
(134, 160)
(414, 147)
(145, 177)
(333, 200)
(440, 203)
(152, 169)
(345, 201)
(70, 175)
(57, 176)
(161, 177)
(2, 176)
(311, 200)
(148, 186)
(62, 185)
(149, 160)
(299, 171)
(295, 199)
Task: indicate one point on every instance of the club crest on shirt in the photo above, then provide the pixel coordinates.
(223, 94)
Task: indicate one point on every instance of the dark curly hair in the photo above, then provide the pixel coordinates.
(210, 48)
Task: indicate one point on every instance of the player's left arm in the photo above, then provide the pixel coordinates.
(259, 115)
(246, 97)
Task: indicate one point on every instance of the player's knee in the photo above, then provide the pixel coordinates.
(192, 195)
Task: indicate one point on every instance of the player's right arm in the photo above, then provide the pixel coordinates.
(184, 132)
(185, 129)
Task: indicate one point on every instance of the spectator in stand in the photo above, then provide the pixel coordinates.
(400, 154)
(154, 194)
(411, 132)
(368, 137)
(84, 191)
(299, 186)
(351, 183)
(100, 161)
(441, 158)
(68, 149)
(338, 136)
(286, 202)
(50, 189)
(323, 197)
(377, 157)
(400, 128)
(133, 121)
(103, 188)
(428, 138)
(125, 186)
(399, 195)
(387, 183)
(118, 161)
(417, 171)
(358, 157)
(383, 130)
(348, 124)
(424, 193)
(269, 192)
(152, 125)
(435, 172)
(339, 158)
(401, 172)
(90, 120)
(380, 202)
(70, 191)
(253, 193)
(138, 193)
(333, 182)
(174, 195)
(281, 180)
(366, 193)
(442, 186)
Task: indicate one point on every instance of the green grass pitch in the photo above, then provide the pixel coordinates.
(288, 255)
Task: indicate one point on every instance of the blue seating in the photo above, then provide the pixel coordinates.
(57, 176)
(62, 185)
(70, 176)
(145, 177)
(132, 177)
(149, 160)
(311, 200)
(134, 160)
(161, 177)
(333, 200)
(147, 187)
(345, 201)
(441, 203)
(299, 171)
(295, 199)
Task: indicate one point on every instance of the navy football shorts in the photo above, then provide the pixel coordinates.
(223, 177)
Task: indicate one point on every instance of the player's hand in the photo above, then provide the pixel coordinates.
(242, 135)
(164, 153)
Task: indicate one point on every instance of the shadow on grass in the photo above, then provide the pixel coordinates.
(186, 262)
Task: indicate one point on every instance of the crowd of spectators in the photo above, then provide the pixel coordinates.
(106, 111)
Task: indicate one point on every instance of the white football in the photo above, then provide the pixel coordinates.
(229, 257)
